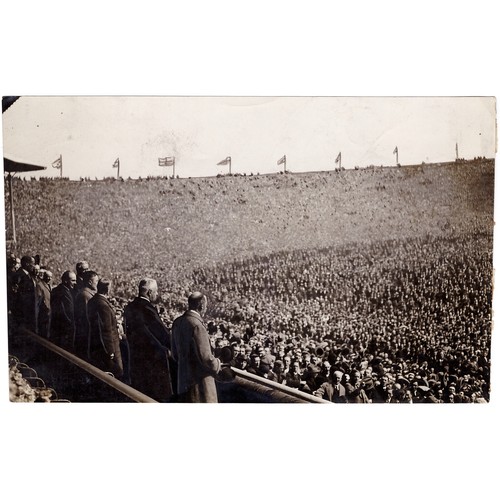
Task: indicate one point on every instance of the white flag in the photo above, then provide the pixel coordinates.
(57, 163)
(168, 161)
(225, 161)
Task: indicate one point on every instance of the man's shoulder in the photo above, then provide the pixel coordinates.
(140, 303)
(188, 317)
(59, 290)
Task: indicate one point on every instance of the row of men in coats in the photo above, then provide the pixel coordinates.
(79, 316)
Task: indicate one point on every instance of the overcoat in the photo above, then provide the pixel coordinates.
(197, 365)
(25, 310)
(82, 326)
(62, 316)
(43, 307)
(105, 350)
(150, 343)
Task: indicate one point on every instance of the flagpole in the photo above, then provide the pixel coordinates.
(60, 159)
(284, 165)
(229, 165)
(340, 160)
(456, 150)
(173, 169)
(9, 176)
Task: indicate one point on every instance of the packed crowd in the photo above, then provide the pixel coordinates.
(147, 226)
(392, 321)
(407, 316)
(307, 290)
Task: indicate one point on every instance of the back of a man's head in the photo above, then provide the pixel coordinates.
(103, 286)
(68, 279)
(27, 261)
(145, 285)
(81, 267)
(90, 278)
(195, 301)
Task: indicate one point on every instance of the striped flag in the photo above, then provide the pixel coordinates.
(225, 161)
(57, 163)
(116, 164)
(339, 156)
(282, 160)
(395, 152)
(168, 161)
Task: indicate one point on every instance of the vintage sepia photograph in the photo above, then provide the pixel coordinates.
(284, 209)
(249, 249)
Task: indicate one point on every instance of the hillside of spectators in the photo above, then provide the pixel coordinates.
(167, 227)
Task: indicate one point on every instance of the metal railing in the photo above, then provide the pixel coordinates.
(278, 392)
(274, 391)
(125, 389)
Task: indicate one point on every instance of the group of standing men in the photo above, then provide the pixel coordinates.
(138, 349)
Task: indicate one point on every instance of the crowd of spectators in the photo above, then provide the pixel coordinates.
(405, 315)
(385, 279)
(401, 321)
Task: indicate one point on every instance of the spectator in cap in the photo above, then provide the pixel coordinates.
(255, 365)
(241, 362)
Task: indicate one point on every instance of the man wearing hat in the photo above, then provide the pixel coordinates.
(197, 366)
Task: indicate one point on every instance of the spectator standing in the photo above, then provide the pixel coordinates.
(150, 344)
(43, 291)
(197, 366)
(105, 341)
(62, 311)
(81, 267)
(25, 310)
(82, 326)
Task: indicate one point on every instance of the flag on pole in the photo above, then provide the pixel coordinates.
(57, 163)
(339, 156)
(282, 160)
(225, 161)
(395, 152)
(116, 164)
(168, 161)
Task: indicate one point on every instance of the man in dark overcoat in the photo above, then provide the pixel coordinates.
(25, 310)
(197, 366)
(105, 350)
(62, 312)
(43, 291)
(150, 345)
(82, 326)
